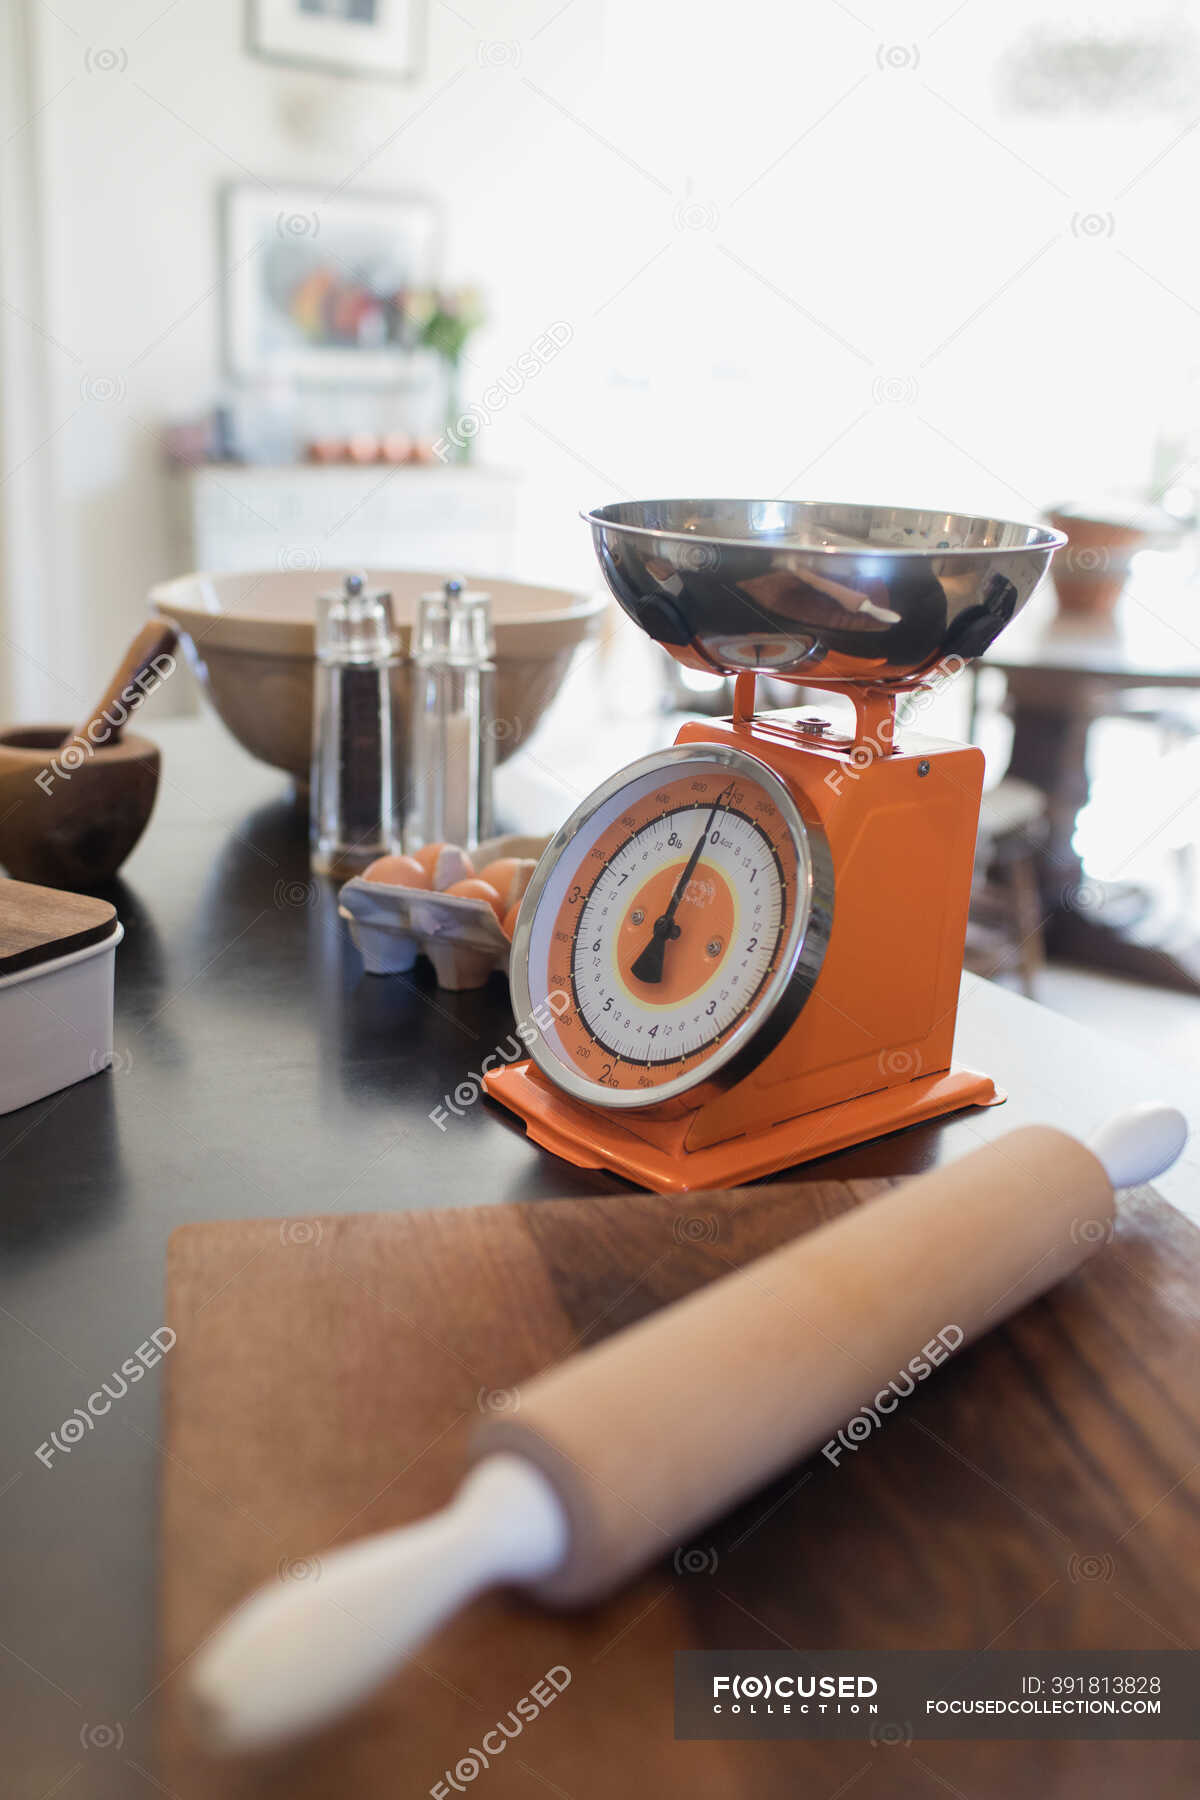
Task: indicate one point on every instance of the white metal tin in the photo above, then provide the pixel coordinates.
(56, 1022)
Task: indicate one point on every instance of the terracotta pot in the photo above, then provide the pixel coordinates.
(75, 827)
(1090, 574)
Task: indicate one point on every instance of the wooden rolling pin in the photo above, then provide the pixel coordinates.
(617, 1455)
(662, 1426)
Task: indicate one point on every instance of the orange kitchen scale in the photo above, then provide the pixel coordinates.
(744, 951)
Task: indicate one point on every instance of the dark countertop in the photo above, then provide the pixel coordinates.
(259, 1072)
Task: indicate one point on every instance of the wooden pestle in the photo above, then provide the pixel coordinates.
(156, 638)
(665, 1425)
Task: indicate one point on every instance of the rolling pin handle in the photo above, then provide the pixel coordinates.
(1139, 1144)
(296, 1654)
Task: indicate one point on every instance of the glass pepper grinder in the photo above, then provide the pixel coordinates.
(352, 816)
(453, 733)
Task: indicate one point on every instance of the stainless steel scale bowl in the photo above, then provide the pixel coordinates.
(867, 595)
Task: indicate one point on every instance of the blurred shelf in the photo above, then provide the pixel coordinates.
(380, 515)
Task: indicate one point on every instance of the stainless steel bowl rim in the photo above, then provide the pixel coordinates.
(602, 516)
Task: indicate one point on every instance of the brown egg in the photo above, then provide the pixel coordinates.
(427, 856)
(509, 875)
(509, 924)
(397, 871)
(474, 889)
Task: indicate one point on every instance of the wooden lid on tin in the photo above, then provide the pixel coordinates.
(39, 923)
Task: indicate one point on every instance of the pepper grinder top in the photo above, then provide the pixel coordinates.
(355, 624)
(454, 626)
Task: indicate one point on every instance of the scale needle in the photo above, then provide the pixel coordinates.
(649, 964)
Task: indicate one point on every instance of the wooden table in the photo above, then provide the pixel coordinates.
(260, 1074)
(1063, 673)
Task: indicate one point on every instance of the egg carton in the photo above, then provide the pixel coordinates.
(392, 926)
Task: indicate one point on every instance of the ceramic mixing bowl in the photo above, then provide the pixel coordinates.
(249, 639)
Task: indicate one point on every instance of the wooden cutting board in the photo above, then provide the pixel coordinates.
(1040, 1492)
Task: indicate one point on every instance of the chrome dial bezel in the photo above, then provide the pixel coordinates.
(777, 1004)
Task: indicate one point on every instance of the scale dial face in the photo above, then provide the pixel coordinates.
(674, 925)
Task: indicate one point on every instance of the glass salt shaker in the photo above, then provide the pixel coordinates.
(352, 816)
(453, 736)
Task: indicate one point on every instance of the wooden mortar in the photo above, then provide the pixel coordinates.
(75, 826)
(75, 800)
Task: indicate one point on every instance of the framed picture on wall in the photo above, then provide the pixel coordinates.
(320, 288)
(349, 37)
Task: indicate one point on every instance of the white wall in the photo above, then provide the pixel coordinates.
(803, 249)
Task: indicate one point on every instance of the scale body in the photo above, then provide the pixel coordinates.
(745, 951)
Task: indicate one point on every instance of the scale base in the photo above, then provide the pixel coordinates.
(652, 1153)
